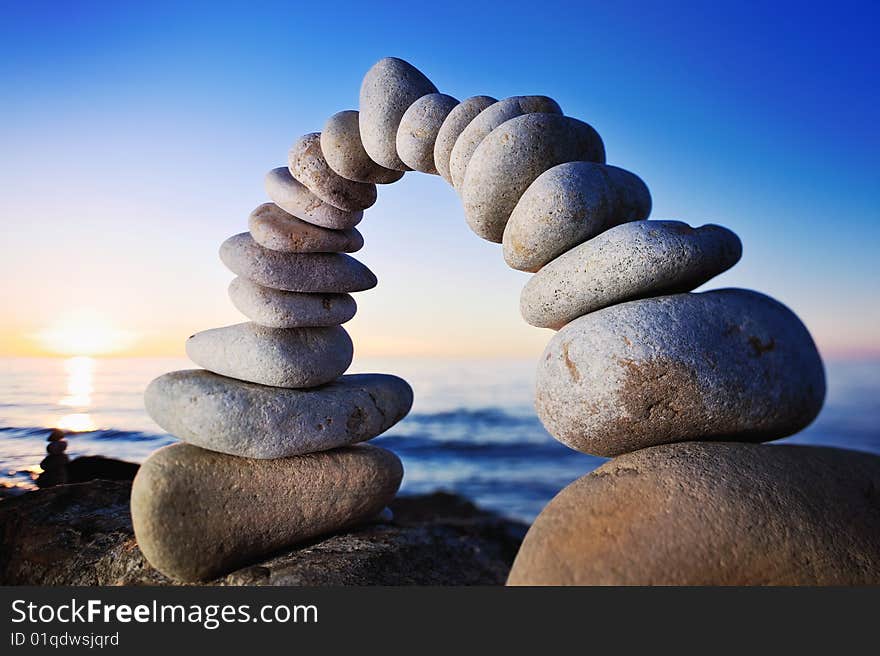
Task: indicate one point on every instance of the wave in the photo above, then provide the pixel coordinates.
(427, 446)
(42, 432)
(490, 417)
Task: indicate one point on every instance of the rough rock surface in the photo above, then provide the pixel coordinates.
(509, 159)
(334, 273)
(712, 514)
(82, 535)
(275, 229)
(730, 364)
(255, 421)
(307, 164)
(387, 91)
(281, 357)
(344, 151)
(276, 308)
(490, 118)
(457, 120)
(292, 196)
(567, 205)
(629, 261)
(418, 130)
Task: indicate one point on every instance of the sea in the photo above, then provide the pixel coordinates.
(472, 429)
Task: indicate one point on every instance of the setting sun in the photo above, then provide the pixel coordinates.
(84, 332)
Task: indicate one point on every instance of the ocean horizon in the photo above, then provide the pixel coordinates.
(472, 430)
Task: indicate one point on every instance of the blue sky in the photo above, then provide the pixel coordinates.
(135, 139)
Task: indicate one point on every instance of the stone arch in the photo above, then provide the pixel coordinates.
(637, 360)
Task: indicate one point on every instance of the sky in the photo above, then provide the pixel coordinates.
(135, 138)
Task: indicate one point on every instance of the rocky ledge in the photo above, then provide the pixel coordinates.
(82, 535)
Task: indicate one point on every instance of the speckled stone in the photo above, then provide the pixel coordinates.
(486, 121)
(712, 514)
(255, 421)
(730, 364)
(293, 197)
(567, 205)
(418, 130)
(512, 156)
(334, 273)
(273, 228)
(633, 260)
(275, 308)
(457, 120)
(307, 165)
(281, 357)
(198, 514)
(345, 154)
(388, 89)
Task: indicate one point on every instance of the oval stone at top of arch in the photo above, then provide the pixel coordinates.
(344, 151)
(418, 130)
(486, 121)
(387, 91)
(457, 120)
(512, 156)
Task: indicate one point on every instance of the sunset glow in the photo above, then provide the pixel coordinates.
(83, 333)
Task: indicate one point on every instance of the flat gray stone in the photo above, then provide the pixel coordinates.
(293, 197)
(307, 165)
(275, 308)
(334, 273)
(255, 421)
(198, 514)
(388, 89)
(280, 357)
(712, 514)
(418, 130)
(275, 229)
(512, 156)
(567, 205)
(486, 121)
(345, 154)
(457, 120)
(730, 364)
(632, 260)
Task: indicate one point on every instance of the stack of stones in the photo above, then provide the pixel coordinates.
(54, 465)
(270, 426)
(678, 385)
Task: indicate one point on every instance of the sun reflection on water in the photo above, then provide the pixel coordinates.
(77, 422)
(80, 375)
(80, 386)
